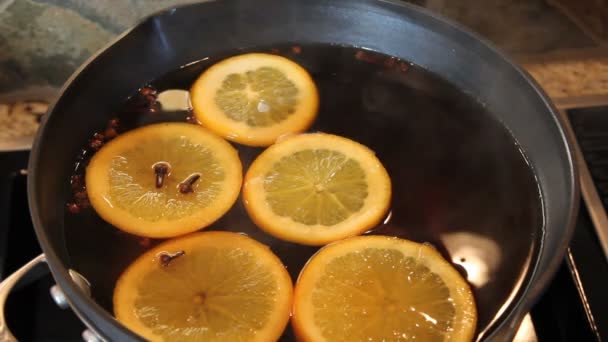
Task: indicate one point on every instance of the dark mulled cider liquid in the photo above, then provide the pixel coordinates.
(460, 181)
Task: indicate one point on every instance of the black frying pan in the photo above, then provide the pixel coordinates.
(176, 37)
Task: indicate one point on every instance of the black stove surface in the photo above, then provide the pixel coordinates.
(574, 307)
(31, 313)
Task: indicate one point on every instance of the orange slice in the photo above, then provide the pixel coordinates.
(378, 288)
(121, 179)
(316, 188)
(210, 286)
(255, 98)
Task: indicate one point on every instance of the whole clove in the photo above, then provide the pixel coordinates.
(144, 102)
(96, 142)
(76, 182)
(166, 258)
(110, 133)
(148, 91)
(161, 169)
(144, 242)
(187, 185)
(114, 123)
(81, 196)
(96, 145)
(369, 57)
(390, 62)
(73, 208)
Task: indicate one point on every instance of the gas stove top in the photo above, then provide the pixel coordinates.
(574, 307)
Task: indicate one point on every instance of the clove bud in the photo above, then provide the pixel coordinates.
(166, 258)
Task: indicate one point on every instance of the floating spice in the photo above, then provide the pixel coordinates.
(161, 169)
(166, 258)
(186, 186)
(73, 208)
(97, 141)
(144, 242)
(404, 67)
(80, 199)
(389, 62)
(369, 57)
(110, 133)
(143, 102)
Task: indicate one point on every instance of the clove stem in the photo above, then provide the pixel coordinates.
(186, 186)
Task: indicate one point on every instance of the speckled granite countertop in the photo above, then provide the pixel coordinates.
(43, 41)
(574, 78)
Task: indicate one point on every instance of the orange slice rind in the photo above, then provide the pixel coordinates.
(316, 188)
(255, 98)
(121, 179)
(209, 286)
(379, 288)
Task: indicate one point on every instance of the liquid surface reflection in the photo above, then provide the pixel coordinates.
(479, 256)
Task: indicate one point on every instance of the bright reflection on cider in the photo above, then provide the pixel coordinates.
(478, 255)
